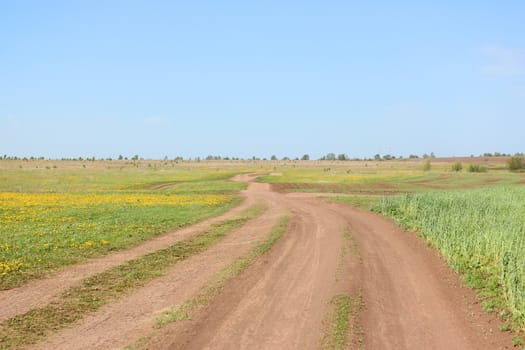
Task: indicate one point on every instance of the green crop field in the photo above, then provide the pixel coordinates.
(481, 232)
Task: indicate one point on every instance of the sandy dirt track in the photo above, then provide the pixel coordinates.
(411, 299)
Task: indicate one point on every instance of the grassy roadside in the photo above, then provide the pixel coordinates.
(96, 291)
(184, 311)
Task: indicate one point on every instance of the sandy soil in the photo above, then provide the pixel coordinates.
(411, 299)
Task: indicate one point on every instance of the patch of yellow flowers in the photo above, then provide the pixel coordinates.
(45, 213)
(10, 266)
(16, 200)
(16, 207)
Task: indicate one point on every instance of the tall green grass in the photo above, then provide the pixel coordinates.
(480, 232)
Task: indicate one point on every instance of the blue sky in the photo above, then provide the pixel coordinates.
(243, 78)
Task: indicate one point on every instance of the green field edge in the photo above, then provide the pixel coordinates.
(94, 292)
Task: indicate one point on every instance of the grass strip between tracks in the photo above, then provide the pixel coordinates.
(96, 291)
(184, 311)
(338, 322)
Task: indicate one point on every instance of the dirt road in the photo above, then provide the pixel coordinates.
(410, 300)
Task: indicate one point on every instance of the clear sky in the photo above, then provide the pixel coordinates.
(256, 78)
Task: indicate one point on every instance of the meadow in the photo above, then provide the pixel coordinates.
(58, 213)
(56, 216)
(385, 177)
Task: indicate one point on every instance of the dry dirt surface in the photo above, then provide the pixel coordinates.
(409, 298)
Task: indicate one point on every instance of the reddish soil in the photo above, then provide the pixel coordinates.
(411, 299)
(491, 180)
(378, 188)
(473, 160)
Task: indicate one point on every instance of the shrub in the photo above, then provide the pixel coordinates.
(515, 163)
(426, 165)
(477, 168)
(457, 166)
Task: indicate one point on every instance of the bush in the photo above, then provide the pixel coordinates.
(457, 166)
(426, 165)
(476, 168)
(515, 163)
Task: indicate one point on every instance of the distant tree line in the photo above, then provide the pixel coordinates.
(304, 157)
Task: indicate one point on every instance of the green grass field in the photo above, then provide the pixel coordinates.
(52, 217)
(382, 178)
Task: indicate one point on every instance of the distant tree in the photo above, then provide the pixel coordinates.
(432, 155)
(273, 157)
(457, 166)
(135, 157)
(305, 157)
(342, 156)
(286, 158)
(120, 157)
(377, 157)
(330, 156)
(388, 157)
